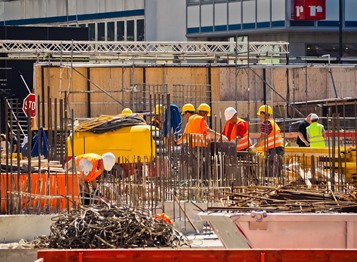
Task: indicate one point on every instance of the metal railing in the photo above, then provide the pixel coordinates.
(146, 51)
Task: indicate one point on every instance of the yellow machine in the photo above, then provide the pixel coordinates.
(129, 143)
(344, 159)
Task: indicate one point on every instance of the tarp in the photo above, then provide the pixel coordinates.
(175, 121)
(40, 147)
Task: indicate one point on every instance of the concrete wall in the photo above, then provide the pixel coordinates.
(27, 9)
(165, 20)
(16, 227)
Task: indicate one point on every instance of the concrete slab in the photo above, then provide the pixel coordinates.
(13, 228)
(18, 255)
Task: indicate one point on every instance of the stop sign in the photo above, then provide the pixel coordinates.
(29, 104)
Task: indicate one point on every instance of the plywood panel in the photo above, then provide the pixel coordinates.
(230, 85)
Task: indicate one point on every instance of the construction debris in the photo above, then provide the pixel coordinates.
(110, 227)
(288, 199)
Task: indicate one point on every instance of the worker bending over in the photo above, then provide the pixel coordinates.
(91, 166)
(236, 129)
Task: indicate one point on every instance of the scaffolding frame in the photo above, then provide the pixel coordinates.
(150, 52)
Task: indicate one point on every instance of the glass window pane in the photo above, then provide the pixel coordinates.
(193, 2)
(91, 29)
(120, 31)
(130, 30)
(101, 32)
(110, 31)
(140, 30)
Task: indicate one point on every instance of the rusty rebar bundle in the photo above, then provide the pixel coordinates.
(110, 227)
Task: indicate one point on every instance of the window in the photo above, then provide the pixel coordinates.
(193, 2)
(130, 30)
(101, 32)
(140, 30)
(120, 31)
(110, 31)
(331, 49)
(91, 29)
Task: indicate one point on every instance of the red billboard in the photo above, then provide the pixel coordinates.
(309, 10)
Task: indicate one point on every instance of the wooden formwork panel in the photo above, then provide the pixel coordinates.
(228, 84)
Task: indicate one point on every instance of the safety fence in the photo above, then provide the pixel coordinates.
(185, 174)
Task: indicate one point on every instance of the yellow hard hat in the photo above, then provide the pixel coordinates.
(159, 109)
(265, 109)
(204, 107)
(126, 111)
(187, 107)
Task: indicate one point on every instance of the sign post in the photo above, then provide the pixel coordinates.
(29, 104)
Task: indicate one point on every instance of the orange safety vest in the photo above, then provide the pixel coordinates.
(274, 137)
(94, 159)
(196, 131)
(244, 142)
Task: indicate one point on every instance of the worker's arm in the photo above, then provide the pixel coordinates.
(179, 141)
(324, 133)
(216, 135)
(302, 138)
(263, 136)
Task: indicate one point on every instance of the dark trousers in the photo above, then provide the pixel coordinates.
(275, 162)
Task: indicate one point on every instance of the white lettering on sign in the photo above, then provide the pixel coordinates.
(315, 9)
(299, 10)
(30, 104)
(312, 8)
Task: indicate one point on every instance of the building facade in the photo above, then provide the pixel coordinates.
(312, 27)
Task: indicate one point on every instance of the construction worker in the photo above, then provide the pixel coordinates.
(316, 132)
(197, 128)
(5, 146)
(204, 110)
(270, 140)
(126, 112)
(236, 129)
(158, 118)
(301, 139)
(187, 111)
(91, 166)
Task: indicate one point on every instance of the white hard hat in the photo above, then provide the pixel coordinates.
(314, 117)
(108, 161)
(229, 113)
(85, 166)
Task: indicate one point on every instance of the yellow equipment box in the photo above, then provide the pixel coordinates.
(129, 144)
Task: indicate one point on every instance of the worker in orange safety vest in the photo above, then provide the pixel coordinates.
(271, 141)
(236, 129)
(91, 166)
(197, 128)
